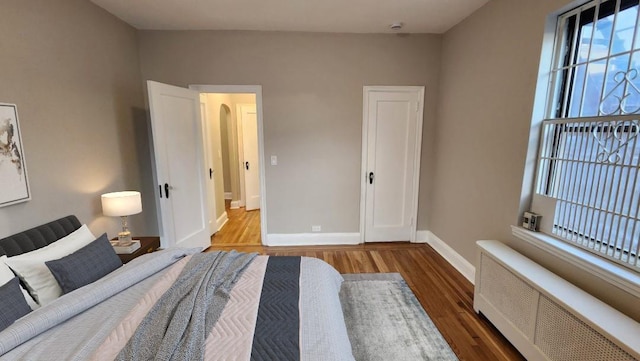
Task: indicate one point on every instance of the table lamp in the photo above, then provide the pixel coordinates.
(122, 204)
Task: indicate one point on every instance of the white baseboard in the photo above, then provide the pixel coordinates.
(228, 195)
(422, 237)
(222, 220)
(235, 204)
(324, 239)
(312, 239)
(454, 258)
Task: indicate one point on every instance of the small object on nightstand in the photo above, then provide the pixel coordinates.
(147, 245)
(125, 248)
(531, 221)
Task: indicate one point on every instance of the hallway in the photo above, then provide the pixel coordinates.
(242, 228)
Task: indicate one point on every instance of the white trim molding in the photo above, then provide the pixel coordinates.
(610, 272)
(222, 220)
(313, 239)
(422, 237)
(449, 254)
(235, 205)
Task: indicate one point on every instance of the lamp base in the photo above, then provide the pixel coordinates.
(124, 239)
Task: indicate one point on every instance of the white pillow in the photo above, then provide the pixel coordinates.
(6, 275)
(34, 273)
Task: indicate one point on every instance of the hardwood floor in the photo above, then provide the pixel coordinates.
(443, 292)
(242, 228)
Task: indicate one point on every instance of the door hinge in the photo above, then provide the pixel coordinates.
(417, 107)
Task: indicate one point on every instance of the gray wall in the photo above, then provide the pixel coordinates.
(72, 69)
(312, 96)
(488, 81)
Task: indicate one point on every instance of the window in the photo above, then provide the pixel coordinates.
(589, 160)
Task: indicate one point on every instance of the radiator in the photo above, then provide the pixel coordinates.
(546, 317)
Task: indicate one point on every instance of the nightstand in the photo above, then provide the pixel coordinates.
(147, 245)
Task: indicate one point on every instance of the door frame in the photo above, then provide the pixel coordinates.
(257, 90)
(418, 151)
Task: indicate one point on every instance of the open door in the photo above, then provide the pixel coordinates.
(211, 187)
(179, 165)
(251, 157)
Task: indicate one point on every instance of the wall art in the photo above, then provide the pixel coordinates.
(14, 186)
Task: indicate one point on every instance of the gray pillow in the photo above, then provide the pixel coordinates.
(12, 303)
(86, 265)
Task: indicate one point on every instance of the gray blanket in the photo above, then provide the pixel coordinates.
(178, 324)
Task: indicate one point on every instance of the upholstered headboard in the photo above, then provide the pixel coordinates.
(39, 236)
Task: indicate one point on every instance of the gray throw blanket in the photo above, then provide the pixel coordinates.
(178, 324)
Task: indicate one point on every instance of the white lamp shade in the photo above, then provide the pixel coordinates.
(119, 204)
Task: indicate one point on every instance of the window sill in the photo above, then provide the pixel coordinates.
(612, 273)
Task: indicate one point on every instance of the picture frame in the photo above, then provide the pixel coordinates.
(14, 183)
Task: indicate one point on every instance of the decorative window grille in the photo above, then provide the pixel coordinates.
(589, 162)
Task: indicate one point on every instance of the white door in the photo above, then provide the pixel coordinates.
(392, 137)
(251, 164)
(241, 167)
(179, 165)
(208, 145)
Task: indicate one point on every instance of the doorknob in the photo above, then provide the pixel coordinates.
(246, 165)
(210, 173)
(370, 177)
(166, 190)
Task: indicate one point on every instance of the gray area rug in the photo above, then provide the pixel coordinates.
(385, 321)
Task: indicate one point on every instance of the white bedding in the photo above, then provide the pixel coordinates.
(95, 321)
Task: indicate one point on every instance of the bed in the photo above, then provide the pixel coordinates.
(177, 304)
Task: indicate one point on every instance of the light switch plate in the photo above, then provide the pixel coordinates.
(274, 160)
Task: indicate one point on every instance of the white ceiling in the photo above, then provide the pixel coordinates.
(343, 16)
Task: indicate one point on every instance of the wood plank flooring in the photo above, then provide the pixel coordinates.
(242, 228)
(443, 292)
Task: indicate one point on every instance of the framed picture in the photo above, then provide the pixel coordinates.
(14, 186)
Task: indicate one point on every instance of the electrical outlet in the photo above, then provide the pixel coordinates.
(316, 228)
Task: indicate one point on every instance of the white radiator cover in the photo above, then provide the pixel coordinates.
(546, 317)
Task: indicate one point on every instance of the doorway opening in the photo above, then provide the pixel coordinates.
(233, 145)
